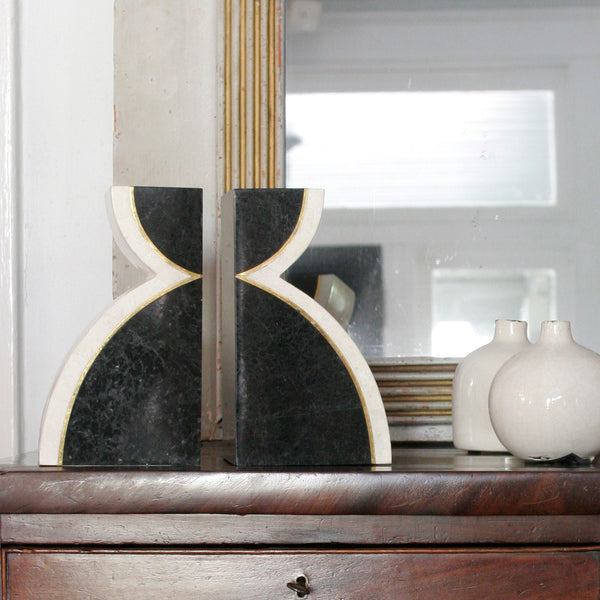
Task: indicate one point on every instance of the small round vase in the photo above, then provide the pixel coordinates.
(545, 401)
(471, 426)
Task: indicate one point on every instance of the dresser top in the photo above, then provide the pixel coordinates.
(438, 481)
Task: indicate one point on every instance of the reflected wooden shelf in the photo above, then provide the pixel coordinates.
(417, 395)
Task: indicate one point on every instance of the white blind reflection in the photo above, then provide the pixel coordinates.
(424, 149)
(466, 303)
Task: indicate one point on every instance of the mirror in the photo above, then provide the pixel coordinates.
(456, 144)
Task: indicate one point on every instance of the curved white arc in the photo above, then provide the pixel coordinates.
(131, 237)
(299, 240)
(166, 277)
(268, 277)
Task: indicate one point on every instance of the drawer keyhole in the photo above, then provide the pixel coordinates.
(300, 586)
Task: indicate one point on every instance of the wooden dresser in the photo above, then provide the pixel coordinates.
(438, 524)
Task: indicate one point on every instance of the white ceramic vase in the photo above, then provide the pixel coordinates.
(471, 426)
(545, 401)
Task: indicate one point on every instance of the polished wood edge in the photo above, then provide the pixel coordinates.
(441, 493)
(531, 551)
(295, 530)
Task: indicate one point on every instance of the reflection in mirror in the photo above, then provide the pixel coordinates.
(428, 150)
(457, 138)
(462, 300)
(359, 267)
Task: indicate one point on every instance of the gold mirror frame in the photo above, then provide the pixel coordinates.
(417, 392)
(253, 146)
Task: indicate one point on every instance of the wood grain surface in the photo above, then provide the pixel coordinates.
(426, 482)
(468, 575)
(295, 530)
(438, 523)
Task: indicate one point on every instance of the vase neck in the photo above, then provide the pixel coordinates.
(510, 331)
(554, 332)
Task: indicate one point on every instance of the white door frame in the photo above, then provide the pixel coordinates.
(9, 278)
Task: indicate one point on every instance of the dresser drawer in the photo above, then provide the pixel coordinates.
(381, 574)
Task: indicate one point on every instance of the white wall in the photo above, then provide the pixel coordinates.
(9, 414)
(64, 115)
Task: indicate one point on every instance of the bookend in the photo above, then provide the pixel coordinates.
(129, 393)
(304, 394)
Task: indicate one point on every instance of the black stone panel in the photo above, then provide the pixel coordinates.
(296, 402)
(265, 220)
(172, 219)
(139, 403)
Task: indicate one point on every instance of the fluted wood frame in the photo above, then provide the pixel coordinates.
(253, 148)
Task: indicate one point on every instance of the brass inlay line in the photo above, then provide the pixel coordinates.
(423, 411)
(149, 242)
(100, 348)
(243, 103)
(387, 397)
(243, 276)
(331, 343)
(414, 370)
(257, 85)
(273, 51)
(415, 387)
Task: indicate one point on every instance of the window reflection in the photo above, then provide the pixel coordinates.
(424, 149)
(466, 303)
(526, 74)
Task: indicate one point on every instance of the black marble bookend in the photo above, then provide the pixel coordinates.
(129, 393)
(303, 393)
